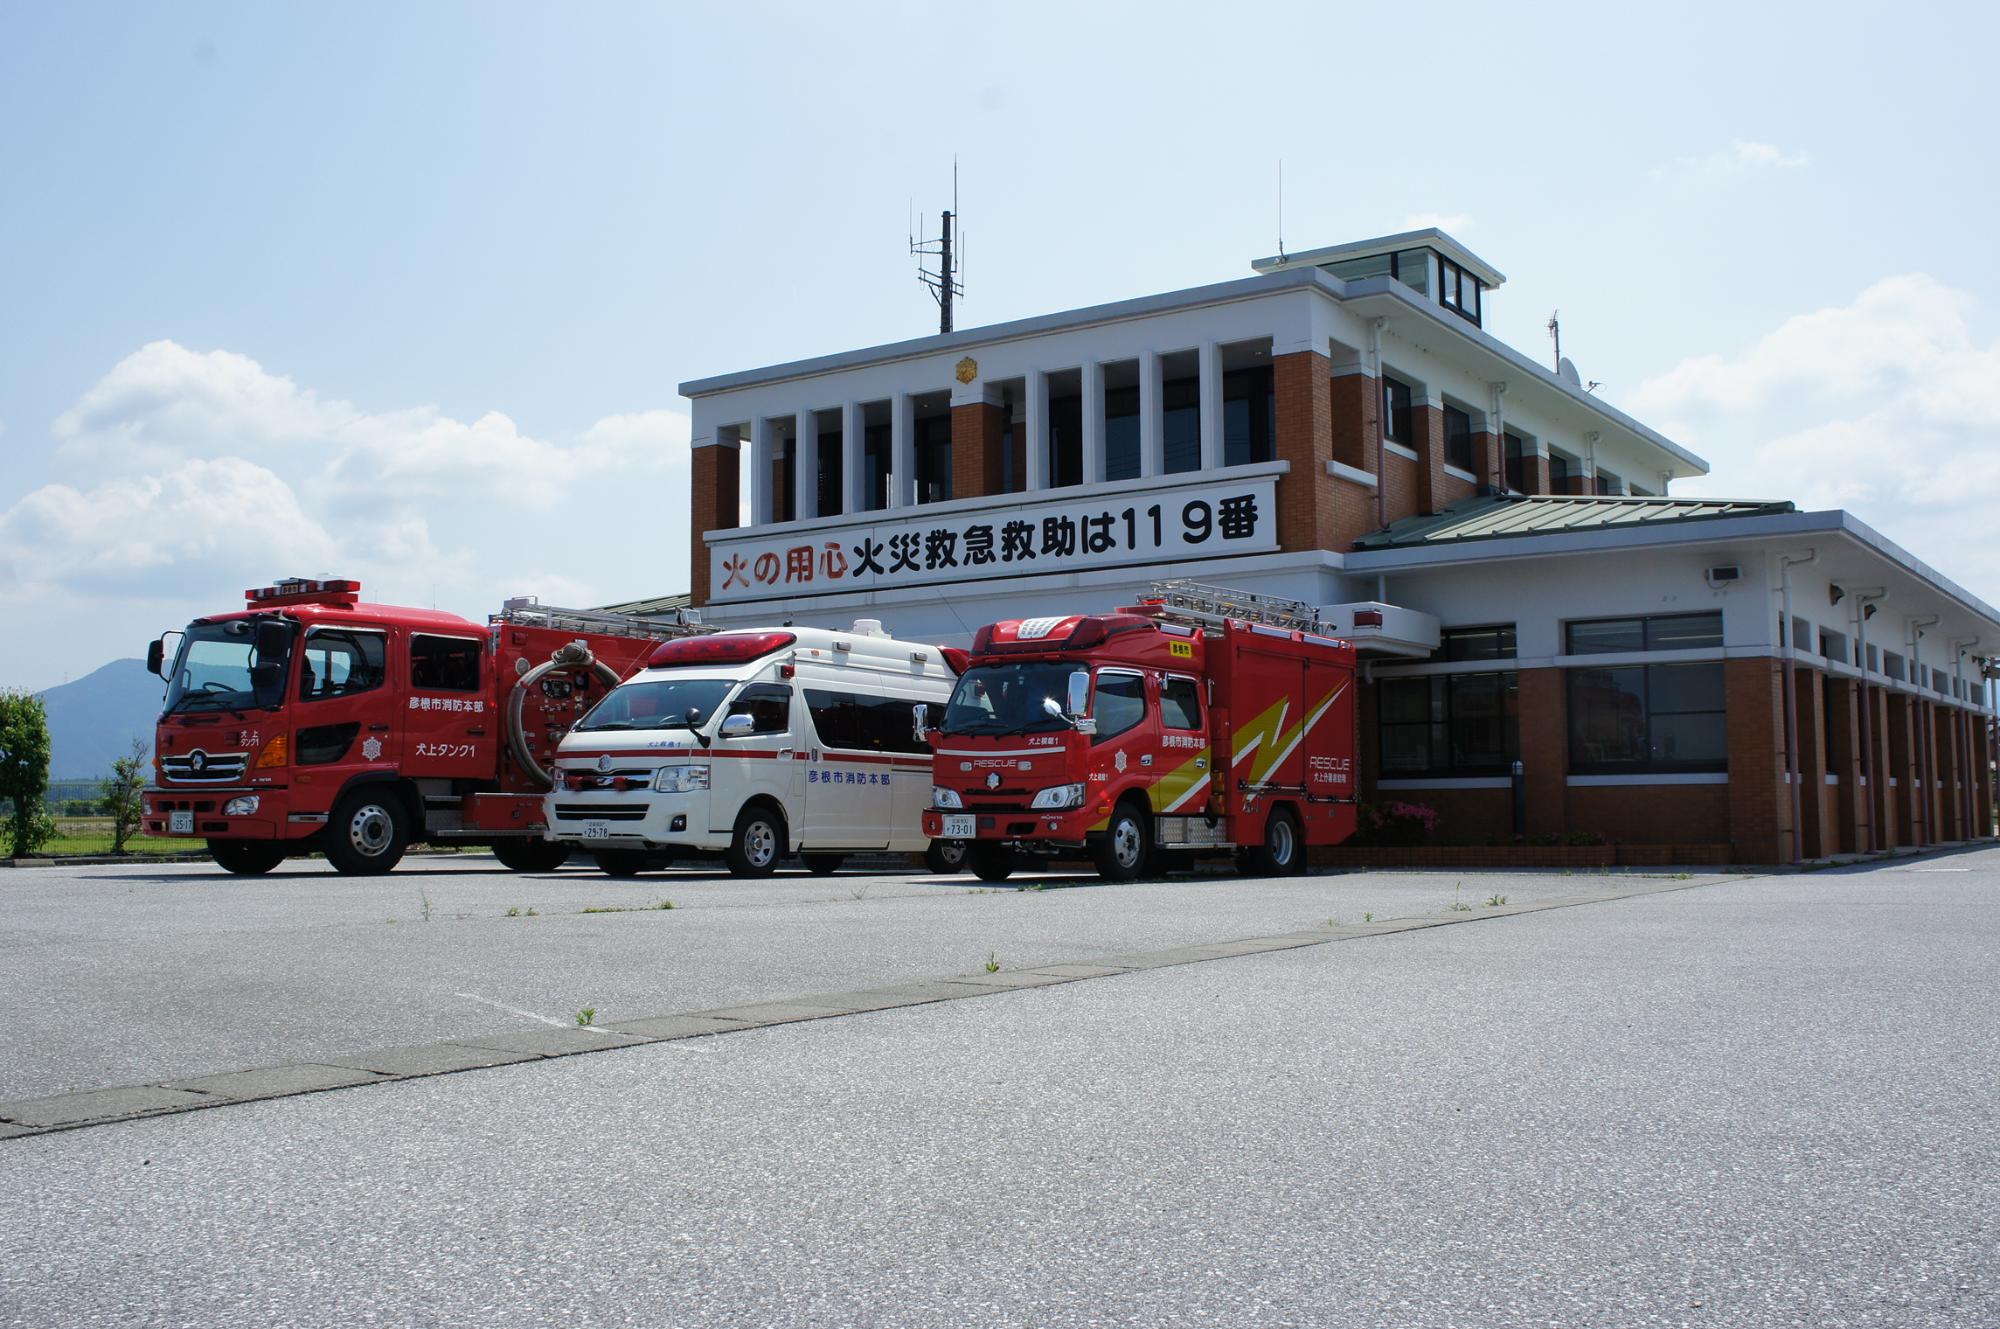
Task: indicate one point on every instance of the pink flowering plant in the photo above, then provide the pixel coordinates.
(1398, 823)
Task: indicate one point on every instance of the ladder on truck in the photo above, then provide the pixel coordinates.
(1192, 602)
(526, 611)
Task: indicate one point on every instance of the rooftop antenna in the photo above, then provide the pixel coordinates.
(1281, 209)
(1556, 331)
(943, 283)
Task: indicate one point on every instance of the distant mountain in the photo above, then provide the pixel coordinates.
(93, 720)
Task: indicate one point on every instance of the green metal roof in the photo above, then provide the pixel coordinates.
(659, 604)
(1494, 516)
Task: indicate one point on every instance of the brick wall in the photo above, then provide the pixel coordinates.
(1427, 437)
(1487, 462)
(1545, 750)
(1537, 473)
(1653, 814)
(1355, 403)
(1402, 480)
(717, 482)
(1843, 740)
(1302, 395)
(1815, 829)
(976, 438)
(1760, 809)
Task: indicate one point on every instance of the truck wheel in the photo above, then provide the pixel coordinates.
(990, 862)
(246, 858)
(619, 862)
(531, 855)
(823, 865)
(1283, 853)
(368, 832)
(945, 857)
(1122, 851)
(756, 844)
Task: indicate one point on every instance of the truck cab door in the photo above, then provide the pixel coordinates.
(343, 722)
(450, 728)
(1124, 748)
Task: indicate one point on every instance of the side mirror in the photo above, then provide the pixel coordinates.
(156, 655)
(1077, 704)
(920, 721)
(739, 723)
(274, 639)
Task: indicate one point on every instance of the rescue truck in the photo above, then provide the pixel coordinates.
(312, 721)
(1200, 721)
(753, 744)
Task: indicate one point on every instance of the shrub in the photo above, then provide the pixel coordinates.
(24, 770)
(1397, 823)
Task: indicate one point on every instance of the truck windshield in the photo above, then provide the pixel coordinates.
(668, 703)
(212, 671)
(1007, 699)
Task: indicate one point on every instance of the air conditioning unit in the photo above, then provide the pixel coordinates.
(1723, 573)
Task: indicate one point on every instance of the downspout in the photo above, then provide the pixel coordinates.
(1961, 742)
(1924, 735)
(1497, 391)
(1877, 799)
(1793, 776)
(1381, 425)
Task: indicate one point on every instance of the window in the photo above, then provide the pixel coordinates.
(1665, 632)
(769, 706)
(1412, 267)
(862, 724)
(1121, 433)
(1516, 452)
(1609, 483)
(1494, 643)
(1180, 704)
(877, 459)
(932, 446)
(1558, 473)
(1461, 289)
(339, 663)
(1457, 438)
(1120, 703)
(1396, 410)
(444, 664)
(1449, 724)
(826, 485)
(1066, 439)
(1180, 424)
(1248, 414)
(1644, 718)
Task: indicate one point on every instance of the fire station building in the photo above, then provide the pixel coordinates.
(1729, 678)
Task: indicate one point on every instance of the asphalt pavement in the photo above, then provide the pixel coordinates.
(1764, 1101)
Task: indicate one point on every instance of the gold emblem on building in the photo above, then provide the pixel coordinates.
(968, 369)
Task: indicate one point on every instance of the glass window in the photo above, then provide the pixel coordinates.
(1121, 433)
(1494, 643)
(862, 724)
(1354, 269)
(1516, 452)
(1413, 269)
(1449, 724)
(1180, 704)
(674, 703)
(1647, 718)
(1120, 703)
(445, 664)
(1607, 635)
(1558, 473)
(769, 706)
(1684, 632)
(339, 663)
(1180, 424)
(877, 457)
(932, 446)
(1396, 410)
(1457, 438)
(1248, 433)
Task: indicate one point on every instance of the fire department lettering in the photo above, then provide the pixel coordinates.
(1161, 523)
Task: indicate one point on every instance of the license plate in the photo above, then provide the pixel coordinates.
(960, 827)
(180, 823)
(597, 830)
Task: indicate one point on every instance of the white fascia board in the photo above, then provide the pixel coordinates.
(1386, 293)
(1243, 288)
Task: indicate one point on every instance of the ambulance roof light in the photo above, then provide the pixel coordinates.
(719, 648)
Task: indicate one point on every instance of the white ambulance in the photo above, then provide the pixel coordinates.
(753, 744)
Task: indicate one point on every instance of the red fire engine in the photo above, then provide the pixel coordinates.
(312, 721)
(1200, 721)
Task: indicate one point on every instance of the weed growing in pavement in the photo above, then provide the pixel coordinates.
(513, 911)
(664, 904)
(623, 908)
(1495, 901)
(1684, 876)
(1368, 918)
(1033, 886)
(424, 903)
(992, 962)
(1460, 907)
(586, 1017)
(531, 911)
(860, 892)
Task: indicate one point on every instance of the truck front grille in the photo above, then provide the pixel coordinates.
(600, 812)
(199, 767)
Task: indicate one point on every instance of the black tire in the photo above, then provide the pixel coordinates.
(368, 832)
(823, 865)
(531, 855)
(1121, 852)
(945, 857)
(1283, 853)
(757, 843)
(990, 862)
(620, 862)
(246, 858)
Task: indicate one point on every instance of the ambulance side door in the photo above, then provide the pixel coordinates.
(848, 794)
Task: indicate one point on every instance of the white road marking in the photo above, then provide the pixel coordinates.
(529, 1015)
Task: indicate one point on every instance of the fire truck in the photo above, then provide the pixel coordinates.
(1200, 721)
(312, 721)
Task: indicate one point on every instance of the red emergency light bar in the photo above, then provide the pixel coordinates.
(298, 590)
(1087, 631)
(956, 658)
(719, 648)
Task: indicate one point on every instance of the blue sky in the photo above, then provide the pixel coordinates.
(406, 290)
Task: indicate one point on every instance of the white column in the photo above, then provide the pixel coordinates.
(1093, 422)
(853, 475)
(902, 451)
(1152, 421)
(1036, 447)
(760, 471)
(1211, 406)
(805, 466)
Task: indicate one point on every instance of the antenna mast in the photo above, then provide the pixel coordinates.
(949, 250)
(1556, 331)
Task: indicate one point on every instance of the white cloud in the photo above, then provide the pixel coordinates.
(1741, 156)
(1887, 406)
(1450, 222)
(211, 473)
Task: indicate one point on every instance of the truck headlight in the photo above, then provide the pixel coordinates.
(945, 798)
(240, 807)
(680, 779)
(1059, 796)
